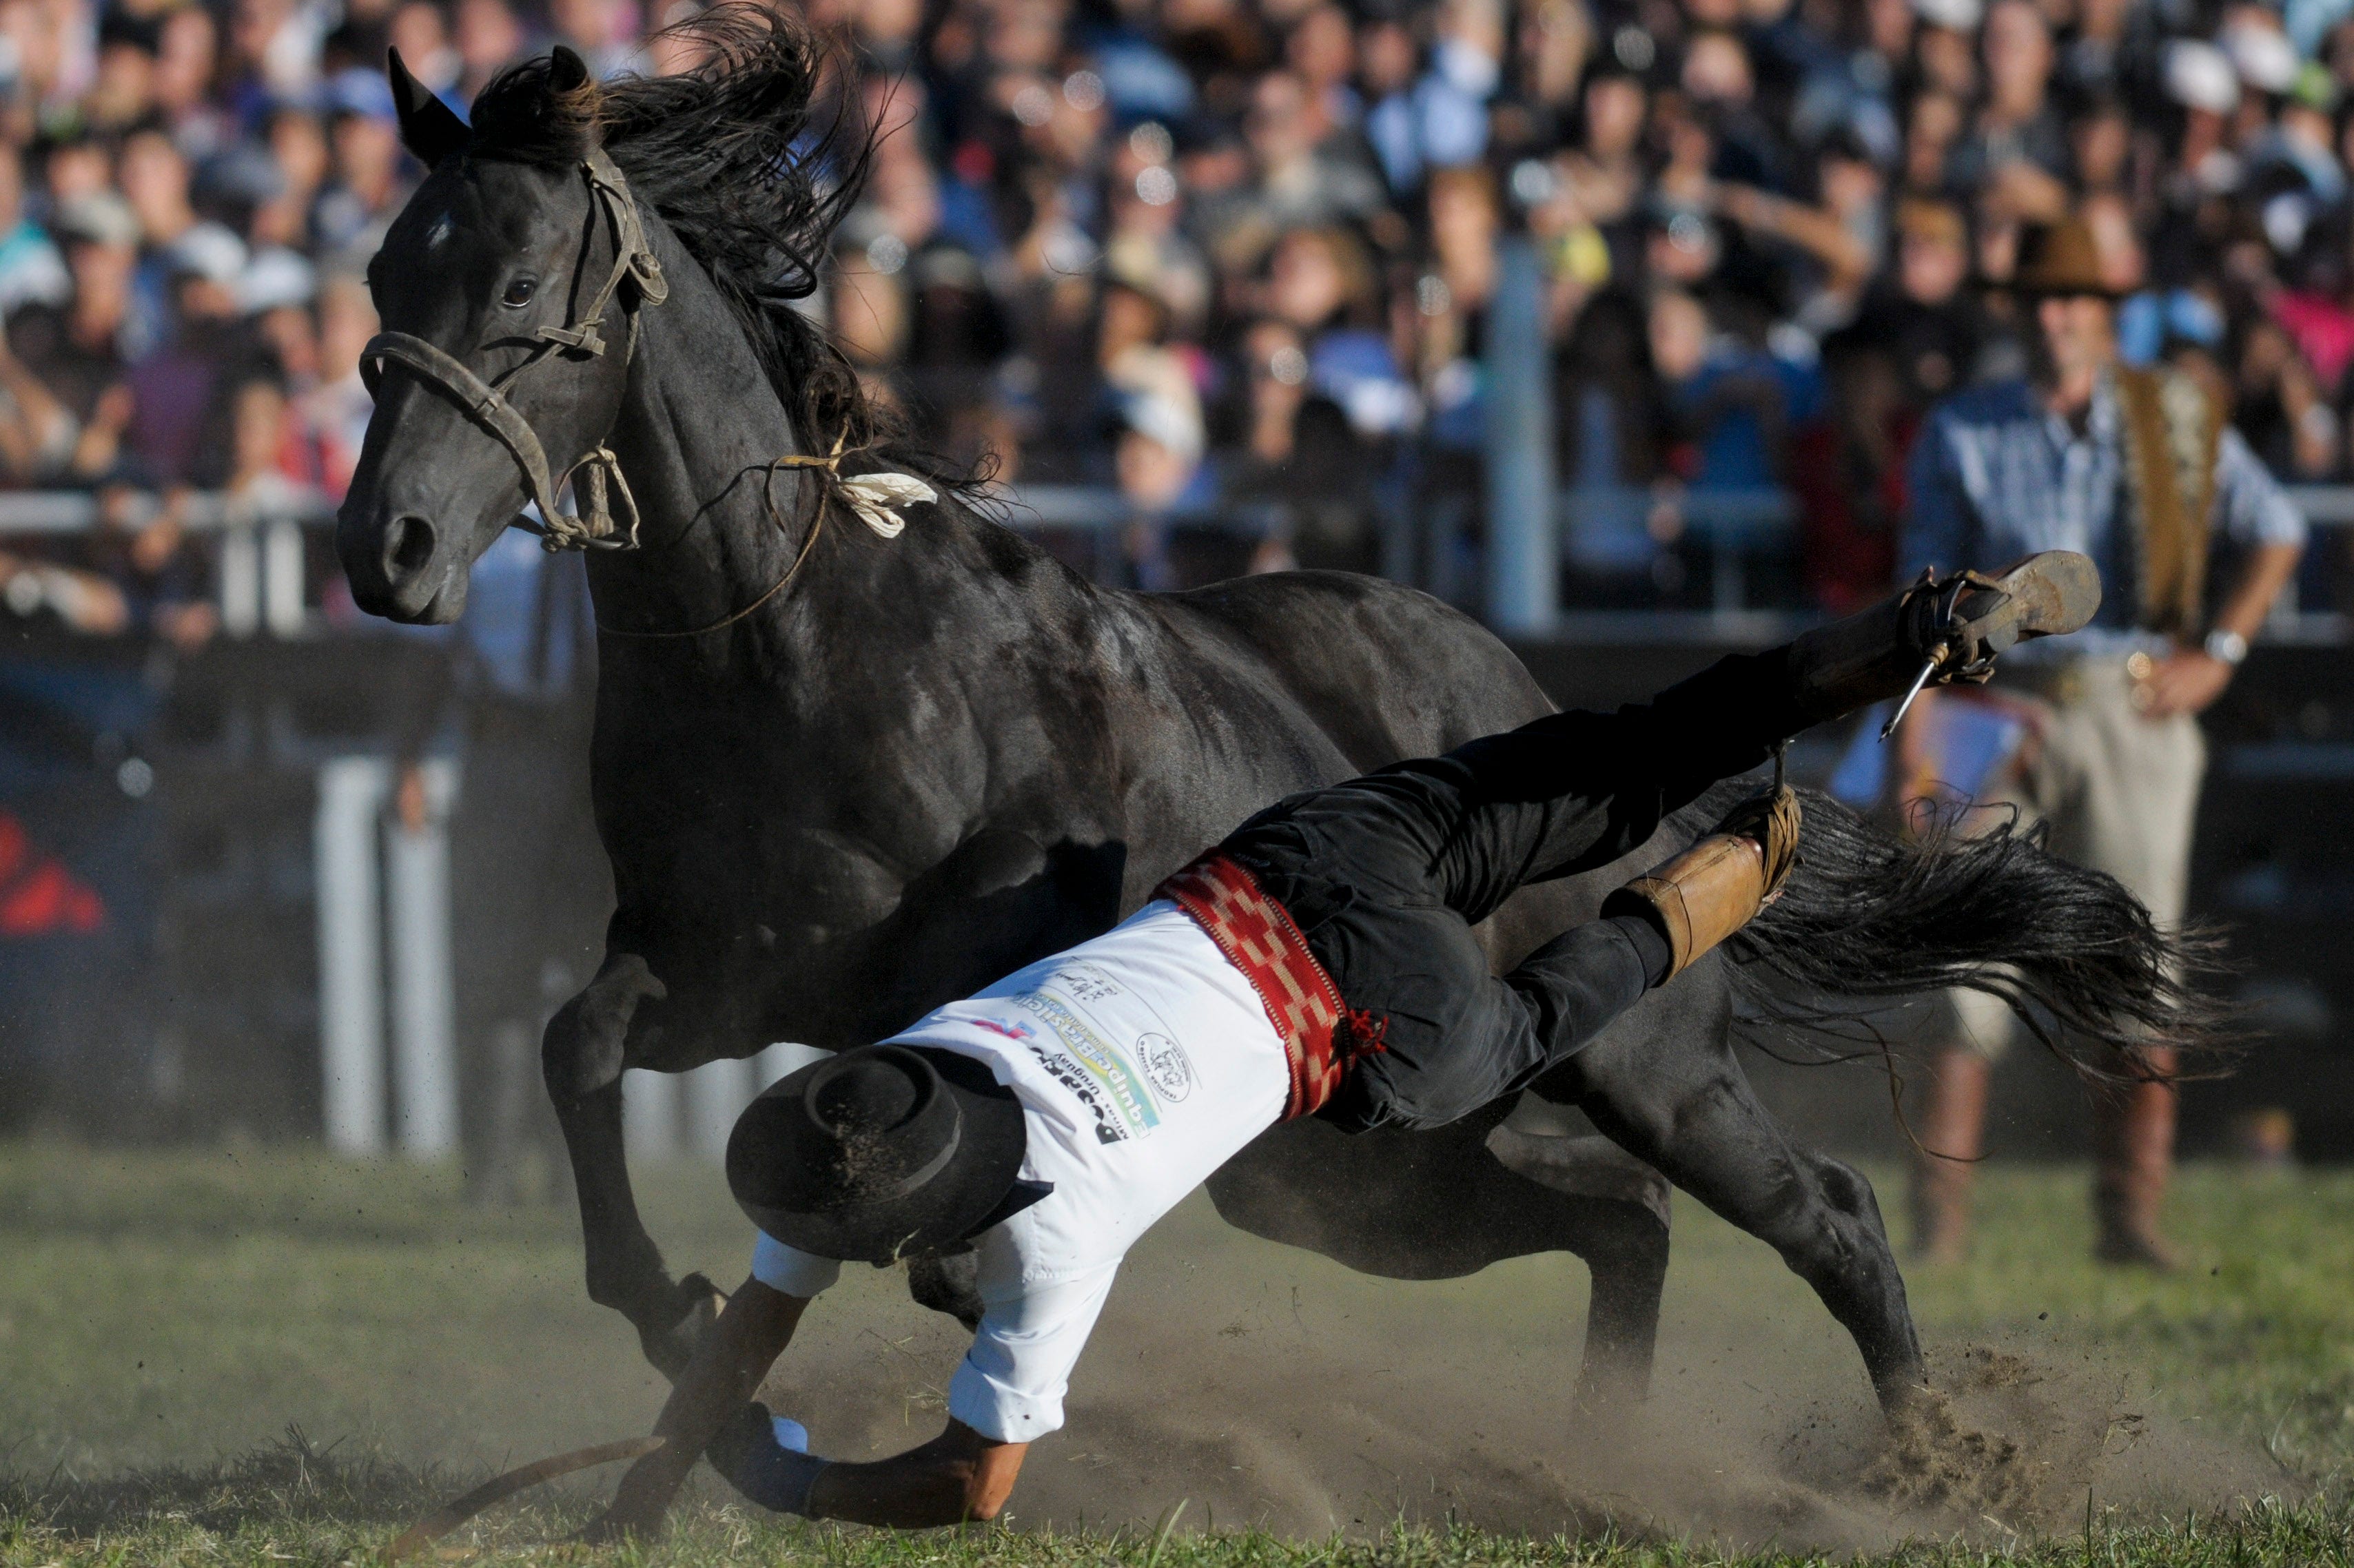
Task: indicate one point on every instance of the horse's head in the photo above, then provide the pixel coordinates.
(495, 374)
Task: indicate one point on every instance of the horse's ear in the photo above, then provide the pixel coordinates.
(566, 71)
(427, 127)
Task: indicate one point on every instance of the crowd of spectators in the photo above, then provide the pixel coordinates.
(1235, 257)
(1771, 233)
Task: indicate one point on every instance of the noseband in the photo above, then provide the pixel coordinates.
(485, 402)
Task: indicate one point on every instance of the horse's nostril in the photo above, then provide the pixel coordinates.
(409, 544)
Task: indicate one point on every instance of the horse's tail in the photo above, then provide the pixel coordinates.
(1867, 917)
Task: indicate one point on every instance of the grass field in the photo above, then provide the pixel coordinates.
(259, 1357)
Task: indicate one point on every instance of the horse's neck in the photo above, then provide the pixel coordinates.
(698, 427)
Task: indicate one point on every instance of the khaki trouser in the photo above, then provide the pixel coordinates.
(2119, 792)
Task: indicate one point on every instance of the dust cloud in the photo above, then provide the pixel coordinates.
(1265, 1387)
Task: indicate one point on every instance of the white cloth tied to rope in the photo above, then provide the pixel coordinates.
(875, 496)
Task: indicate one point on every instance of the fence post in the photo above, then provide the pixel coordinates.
(282, 609)
(424, 997)
(351, 979)
(240, 580)
(1524, 560)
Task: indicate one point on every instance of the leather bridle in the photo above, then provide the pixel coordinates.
(486, 402)
(873, 497)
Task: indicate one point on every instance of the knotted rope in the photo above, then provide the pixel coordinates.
(873, 497)
(458, 1510)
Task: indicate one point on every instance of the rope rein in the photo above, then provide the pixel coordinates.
(873, 497)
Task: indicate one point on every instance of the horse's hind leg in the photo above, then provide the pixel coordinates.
(1620, 1230)
(1664, 1083)
(1626, 1251)
(1447, 1202)
(581, 1055)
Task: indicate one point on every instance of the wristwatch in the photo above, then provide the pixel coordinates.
(2226, 647)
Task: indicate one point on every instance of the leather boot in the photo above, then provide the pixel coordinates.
(2133, 1140)
(1945, 1166)
(1954, 625)
(1710, 890)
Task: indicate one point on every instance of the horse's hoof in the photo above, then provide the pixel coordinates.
(1934, 1461)
(1609, 1404)
(695, 1305)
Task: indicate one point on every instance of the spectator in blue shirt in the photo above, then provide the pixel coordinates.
(1734, 403)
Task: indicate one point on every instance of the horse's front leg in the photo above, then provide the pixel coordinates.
(582, 1055)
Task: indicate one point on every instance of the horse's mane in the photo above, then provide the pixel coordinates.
(737, 159)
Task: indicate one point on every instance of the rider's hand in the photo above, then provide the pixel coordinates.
(767, 1459)
(2181, 683)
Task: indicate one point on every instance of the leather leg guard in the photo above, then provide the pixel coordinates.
(1715, 887)
(1954, 625)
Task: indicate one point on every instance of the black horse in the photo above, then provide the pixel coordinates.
(843, 778)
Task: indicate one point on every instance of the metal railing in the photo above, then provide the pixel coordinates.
(261, 582)
(1074, 506)
(79, 511)
(260, 577)
(1738, 525)
(1092, 508)
(2329, 505)
(1605, 525)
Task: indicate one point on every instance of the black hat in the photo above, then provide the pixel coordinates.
(879, 1153)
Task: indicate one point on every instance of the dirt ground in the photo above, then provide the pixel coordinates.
(1272, 1389)
(179, 1313)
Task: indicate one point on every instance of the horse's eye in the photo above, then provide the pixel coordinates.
(519, 292)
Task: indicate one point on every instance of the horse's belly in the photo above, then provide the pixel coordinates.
(756, 940)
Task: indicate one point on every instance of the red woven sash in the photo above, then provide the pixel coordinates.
(1257, 936)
